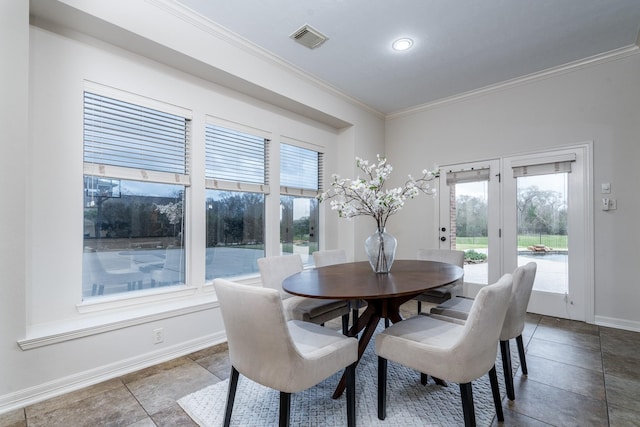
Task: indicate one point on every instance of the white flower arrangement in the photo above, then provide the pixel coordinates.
(367, 196)
(172, 210)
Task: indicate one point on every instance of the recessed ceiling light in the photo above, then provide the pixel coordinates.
(402, 44)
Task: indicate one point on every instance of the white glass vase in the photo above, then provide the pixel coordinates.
(381, 250)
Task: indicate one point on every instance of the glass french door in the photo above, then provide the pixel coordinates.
(546, 220)
(507, 212)
(469, 219)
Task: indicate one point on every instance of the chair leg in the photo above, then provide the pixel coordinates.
(231, 395)
(382, 388)
(523, 359)
(440, 382)
(424, 378)
(419, 306)
(345, 324)
(386, 322)
(467, 405)
(351, 395)
(495, 390)
(285, 409)
(506, 366)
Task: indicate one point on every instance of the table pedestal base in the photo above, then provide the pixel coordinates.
(376, 309)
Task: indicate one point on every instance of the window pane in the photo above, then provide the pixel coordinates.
(133, 235)
(299, 167)
(299, 226)
(234, 156)
(543, 229)
(235, 233)
(469, 228)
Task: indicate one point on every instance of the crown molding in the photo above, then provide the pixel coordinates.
(541, 75)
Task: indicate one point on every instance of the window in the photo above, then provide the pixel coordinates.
(300, 182)
(135, 180)
(236, 172)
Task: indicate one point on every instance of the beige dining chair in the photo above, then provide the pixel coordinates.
(338, 256)
(441, 293)
(173, 268)
(459, 307)
(273, 271)
(448, 350)
(285, 355)
(101, 277)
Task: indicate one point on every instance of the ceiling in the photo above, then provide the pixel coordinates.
(459, 46)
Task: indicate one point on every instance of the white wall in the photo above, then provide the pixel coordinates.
(14, 77)
(598, 102)
(41, 158)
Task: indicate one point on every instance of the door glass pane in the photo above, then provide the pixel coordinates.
(543, 230)
(469, 224)
(298, 226)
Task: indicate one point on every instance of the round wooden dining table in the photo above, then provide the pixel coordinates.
(383, 292)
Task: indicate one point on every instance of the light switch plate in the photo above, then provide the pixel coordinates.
(606, 188)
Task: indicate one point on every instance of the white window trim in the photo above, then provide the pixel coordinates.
(123, 95)
(119, 172)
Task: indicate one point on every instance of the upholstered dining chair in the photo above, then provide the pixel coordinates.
(101, 277)
(285, 355)
(173, 269)
(273, 271)
(441, 293)
(338, 256)
(452, 351)
(459, 307)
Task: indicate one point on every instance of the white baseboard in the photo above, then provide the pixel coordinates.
(41, 392)
(612, 322)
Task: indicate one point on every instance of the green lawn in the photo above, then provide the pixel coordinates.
(524, 240)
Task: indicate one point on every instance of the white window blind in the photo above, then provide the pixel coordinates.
(300, 170)
(472, 175)
(126, 135)
(235, 160)
(543, 166)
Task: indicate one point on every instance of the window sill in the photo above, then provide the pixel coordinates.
(110, 313)
(103, 317)
(124, 300)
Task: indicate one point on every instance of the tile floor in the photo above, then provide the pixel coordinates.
(579, 375)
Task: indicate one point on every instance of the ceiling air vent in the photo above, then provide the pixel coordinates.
(309, 37)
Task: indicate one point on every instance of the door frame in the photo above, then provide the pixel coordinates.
(581, 244)
(584, 151)
(494, 217)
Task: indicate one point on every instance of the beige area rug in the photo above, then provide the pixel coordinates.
(408, 402)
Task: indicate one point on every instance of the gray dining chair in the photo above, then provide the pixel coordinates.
(285, 355)
(273, 271)
(452, 351)
(327, 257)
(441, 293)
(459, 307)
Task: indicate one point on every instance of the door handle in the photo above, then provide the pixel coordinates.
(442, 239)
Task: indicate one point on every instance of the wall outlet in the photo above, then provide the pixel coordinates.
(158, 335)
